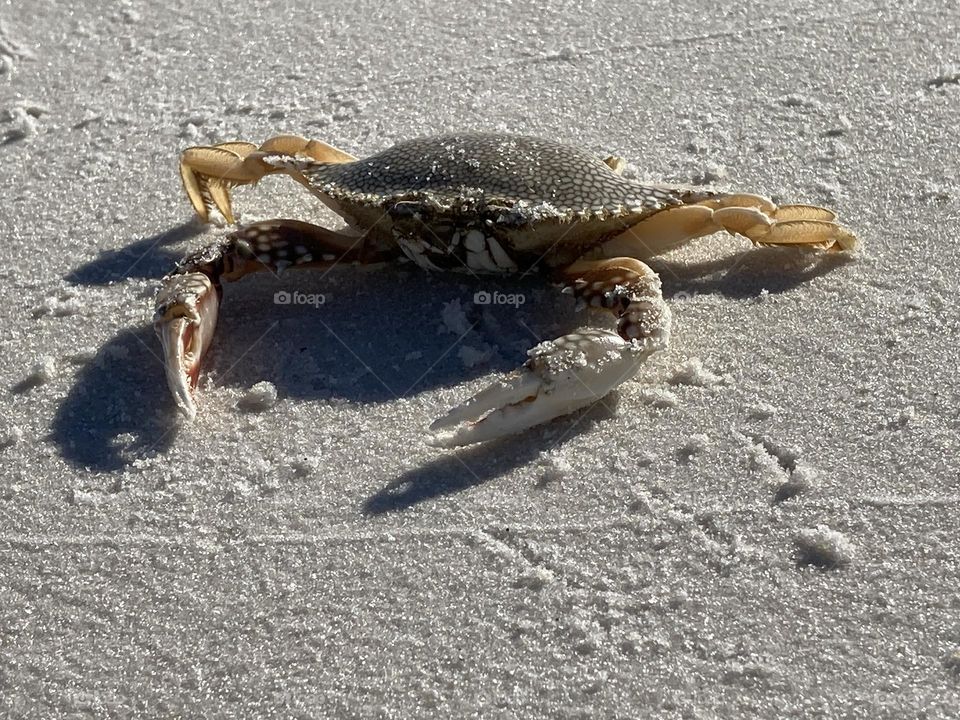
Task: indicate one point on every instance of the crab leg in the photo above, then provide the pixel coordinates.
(209, 172)
(189, 298)
(575, 370)
(753, 216)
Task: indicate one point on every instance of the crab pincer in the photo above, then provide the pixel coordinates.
(188, 303)
(560, 377)
(185, 319)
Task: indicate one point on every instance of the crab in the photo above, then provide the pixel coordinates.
(478, 203)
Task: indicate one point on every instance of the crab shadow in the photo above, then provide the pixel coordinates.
(360, 336)
(118, 409)
(454, 472)
(748, 274)
(377, 336)
(459, 470)
(147, 257)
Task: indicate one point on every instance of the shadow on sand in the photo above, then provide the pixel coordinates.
(459, 470)
(148, 257)
(376, 336)
(118, 409)
(748, 274)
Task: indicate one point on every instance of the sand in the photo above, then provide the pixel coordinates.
(763, 523)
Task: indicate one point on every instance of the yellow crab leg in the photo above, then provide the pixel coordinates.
(753, 216)
(209, 172)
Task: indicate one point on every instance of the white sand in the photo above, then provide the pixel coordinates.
(764, 524)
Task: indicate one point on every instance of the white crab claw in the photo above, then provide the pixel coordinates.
(561, 376)
(185, 319)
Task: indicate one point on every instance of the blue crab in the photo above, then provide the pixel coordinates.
(477, 203)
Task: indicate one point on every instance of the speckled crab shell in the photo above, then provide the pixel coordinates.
(533, 178)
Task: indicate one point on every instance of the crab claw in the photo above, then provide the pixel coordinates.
(561, 376)
(185, 319)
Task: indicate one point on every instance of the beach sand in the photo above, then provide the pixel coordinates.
(763, 523)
